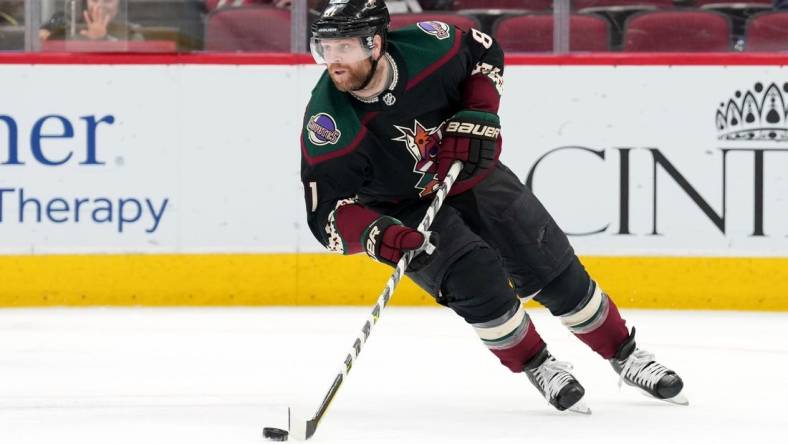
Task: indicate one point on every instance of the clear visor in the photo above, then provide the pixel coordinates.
(338, 50)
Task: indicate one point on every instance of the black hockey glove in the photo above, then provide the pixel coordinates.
(471, 137)
(386, 240)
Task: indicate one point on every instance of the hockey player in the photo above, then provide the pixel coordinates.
(385, 121)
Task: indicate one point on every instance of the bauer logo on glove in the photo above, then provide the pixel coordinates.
(387, 240)
(471, 137)
(464, 128)
(372, 240)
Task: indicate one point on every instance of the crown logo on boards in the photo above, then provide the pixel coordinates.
(757, 114)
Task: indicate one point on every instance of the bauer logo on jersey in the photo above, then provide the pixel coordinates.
(438, 29)
(322, 129)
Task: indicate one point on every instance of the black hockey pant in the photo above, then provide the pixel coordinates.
(494, 235)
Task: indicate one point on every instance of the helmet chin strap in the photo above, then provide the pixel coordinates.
(370, 75)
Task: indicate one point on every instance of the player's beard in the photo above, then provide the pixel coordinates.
(354, 76)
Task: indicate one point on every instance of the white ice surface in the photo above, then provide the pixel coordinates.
(194, 376)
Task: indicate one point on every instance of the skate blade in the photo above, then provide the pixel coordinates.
(679, 399)
(580, 407)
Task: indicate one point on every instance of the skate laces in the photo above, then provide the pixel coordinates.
(552, 376)
(641, 369)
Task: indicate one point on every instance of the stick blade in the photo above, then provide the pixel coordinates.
(300, 429)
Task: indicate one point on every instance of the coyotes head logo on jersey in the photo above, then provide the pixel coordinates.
(422, 143)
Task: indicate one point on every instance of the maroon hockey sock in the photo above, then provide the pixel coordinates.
(512, 338)
(599, 324)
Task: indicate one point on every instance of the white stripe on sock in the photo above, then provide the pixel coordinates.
(499, 331)
(586, 312)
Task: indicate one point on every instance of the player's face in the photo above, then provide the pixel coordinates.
(347, 61)
(349, 76)
(108, 7)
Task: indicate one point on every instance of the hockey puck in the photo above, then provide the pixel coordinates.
(274, 434)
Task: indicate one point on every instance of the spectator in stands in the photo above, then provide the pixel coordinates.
(780, 4)
(100, 20)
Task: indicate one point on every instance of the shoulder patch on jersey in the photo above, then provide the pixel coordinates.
(331, 125)
(425, 46)
(439, 30)
(322, 129)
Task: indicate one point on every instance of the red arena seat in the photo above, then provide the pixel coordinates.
(700, 3)
(461, 21)
(679, 31)
(534, 33)
(583, 4)
(767, 32)
(531, 5)
(249, 28)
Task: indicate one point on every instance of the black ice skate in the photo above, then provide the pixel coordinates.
(555, 383)
(638, 368)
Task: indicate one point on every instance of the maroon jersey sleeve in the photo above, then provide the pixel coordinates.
(483, 87)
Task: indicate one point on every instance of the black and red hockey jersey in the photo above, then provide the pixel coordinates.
(360, 154)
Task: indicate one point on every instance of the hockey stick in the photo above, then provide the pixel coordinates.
(301, 429)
